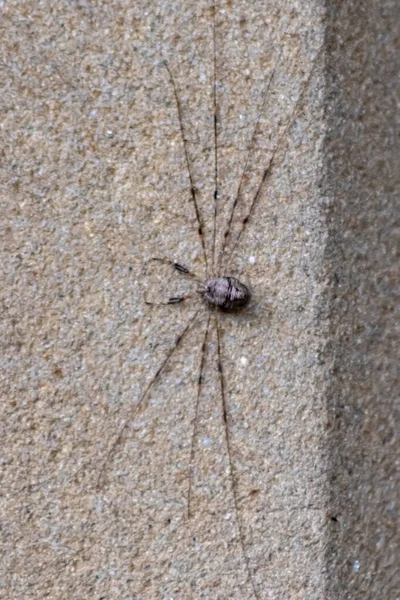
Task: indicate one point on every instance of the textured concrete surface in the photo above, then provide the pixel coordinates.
(93, 184)
(363, 180)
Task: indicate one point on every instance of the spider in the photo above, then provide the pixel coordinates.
(219, 290)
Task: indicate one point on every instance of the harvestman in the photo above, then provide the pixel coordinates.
(219, 291)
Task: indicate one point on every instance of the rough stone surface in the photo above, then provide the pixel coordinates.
(94, 182)
(363, 179)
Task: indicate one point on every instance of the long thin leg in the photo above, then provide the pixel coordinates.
(268, 169)
(200, 225)
(180, 268)
(249, 149)
(135, 411)
(142, 398)
(172, 300)
(229, 451)
(216, 192)
(196, 413)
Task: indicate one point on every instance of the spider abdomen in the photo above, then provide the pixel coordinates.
(226, 293)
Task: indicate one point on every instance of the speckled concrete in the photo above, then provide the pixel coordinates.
(94, 183)
(363, 180)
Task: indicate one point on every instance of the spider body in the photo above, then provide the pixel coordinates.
(226, 293)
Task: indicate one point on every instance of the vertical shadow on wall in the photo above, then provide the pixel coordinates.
(361, 186)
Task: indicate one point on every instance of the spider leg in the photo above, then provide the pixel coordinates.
(172, 300)
(178, 267)
(181, 269)
(232, 468)
(249, 149)
(216, 132)
(193, 189)
(194, 433)
(265, 176)
(141, 403)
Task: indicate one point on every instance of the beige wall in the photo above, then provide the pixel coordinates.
(94, 183)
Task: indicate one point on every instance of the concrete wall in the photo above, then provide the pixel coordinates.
(363, 180)
(94, 183)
